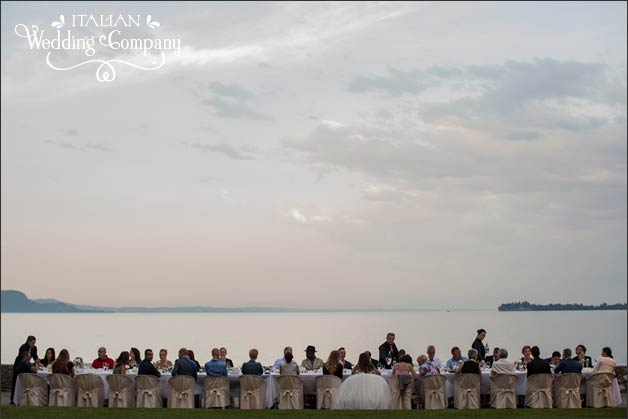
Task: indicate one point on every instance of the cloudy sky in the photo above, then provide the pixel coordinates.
(321, 155)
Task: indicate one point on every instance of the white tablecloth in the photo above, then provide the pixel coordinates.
(309, 384)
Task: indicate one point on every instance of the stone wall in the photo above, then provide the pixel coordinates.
(621, 371)
(5, 376)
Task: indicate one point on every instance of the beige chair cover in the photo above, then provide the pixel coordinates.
(503, 392)
(252, 392)
(290, 392)
(120, 391)
(539, 391)
(62, 390)
(467, 391)
(34, 390)
(400, 400)
(326, 386)
(567, 391)
(90, 391)
(148, 391)
(181, 392)
(434, 392)
(217, 392)
(600, 390)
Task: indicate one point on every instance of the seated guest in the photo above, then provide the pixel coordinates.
(121, 363)
(163, 362)
(432, 358)
(388, 351)
(25, 364)
(184, 365)
(373, 360)
(215, 367)
(538, 364)
(502, 365)
(426, 368)
(146, 367)
(282, 360)
(289, 367)
(606, 363)
(456, 359)
(193, 359)
(333, 366)
(63, 365)
(252, 367)
(49, 358)
(365, 365)
(342, 352)
(527, 355)
(223, 357)
(311, 362)
(585, 360)
(103, 359)
(134, 357)
(492, 358)
(404, 367)
(470, 366)
(568, 364)
(402, 352)
(554, 359)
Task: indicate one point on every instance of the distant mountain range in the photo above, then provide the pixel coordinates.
(526, 306)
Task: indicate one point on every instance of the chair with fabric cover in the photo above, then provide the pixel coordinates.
(148, 391)
(290, 392)
(539, 391)
(434, 392)
(503, 392)
(216, 391)
(90, 391)
(62, 390)
(326, 386)
(401, 398)
(467, 391)
(600, 390)
(34, 390)
(252, 392)
(181, 392)
(567, 391)
(120, 391)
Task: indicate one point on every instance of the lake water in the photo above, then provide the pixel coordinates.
(82, 334)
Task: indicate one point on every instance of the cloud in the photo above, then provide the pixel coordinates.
(80, 147)
(225, 149)
(230, 90)
(229, 108)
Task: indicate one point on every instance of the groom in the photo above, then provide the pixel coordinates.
(388, 349)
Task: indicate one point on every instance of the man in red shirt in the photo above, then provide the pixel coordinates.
(103, 359)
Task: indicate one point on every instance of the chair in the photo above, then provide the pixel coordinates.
(600, 390)
(467, 391)
(539, 391)
(216, 392)
(252, 392)
(567, 391)
(62, 390)
(401, 397)
(503, 393)
(181, 392)
(34, 390)
(326, 386)
(434, 392)
(120, 391)
(148, 391)
(90, 391)
(290, 392)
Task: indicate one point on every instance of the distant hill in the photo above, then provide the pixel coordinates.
(526, 306)
(12, 301)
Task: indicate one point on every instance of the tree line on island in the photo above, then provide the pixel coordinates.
(526, 306)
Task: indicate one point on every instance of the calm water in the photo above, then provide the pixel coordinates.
(82, 334)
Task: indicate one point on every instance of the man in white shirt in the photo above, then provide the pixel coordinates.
(502, 365)
(282, 360)
(432, 358)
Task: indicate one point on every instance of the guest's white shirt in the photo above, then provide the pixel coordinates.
(503, 366)
(605, 364)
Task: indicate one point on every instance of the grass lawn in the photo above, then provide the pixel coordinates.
(74, 412)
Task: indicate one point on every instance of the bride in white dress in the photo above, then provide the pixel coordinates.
(365, 389)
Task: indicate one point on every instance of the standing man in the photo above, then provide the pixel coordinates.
(389, 350)
(478, 345)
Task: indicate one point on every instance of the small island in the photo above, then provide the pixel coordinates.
(526, 306)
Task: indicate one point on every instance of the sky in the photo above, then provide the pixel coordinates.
(412, 155)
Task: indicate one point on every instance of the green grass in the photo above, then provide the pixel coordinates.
(74, 412)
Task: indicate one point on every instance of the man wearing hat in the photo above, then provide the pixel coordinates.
(311, 362)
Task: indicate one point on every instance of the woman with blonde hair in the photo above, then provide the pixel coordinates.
(333, 366)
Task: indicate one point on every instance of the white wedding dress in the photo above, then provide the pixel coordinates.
(363, 391)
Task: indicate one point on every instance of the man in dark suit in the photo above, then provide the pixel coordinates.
(252, 367)
(184, 365)
(388, 349)
(537, 365)
(146, 367)
(567, 364)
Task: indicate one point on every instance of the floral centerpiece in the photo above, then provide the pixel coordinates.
(78, 362)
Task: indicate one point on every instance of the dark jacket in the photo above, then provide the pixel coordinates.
(470, 367)
(586, 359)
(568, 365)
(348, 365)
(384, 349)
(25, 348)
(252, 367)
(147, 368)
(479, 346)
(185, 366)
(489, 360)
(337, 372)
(538, 366)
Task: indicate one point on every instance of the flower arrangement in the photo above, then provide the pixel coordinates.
(78, 362)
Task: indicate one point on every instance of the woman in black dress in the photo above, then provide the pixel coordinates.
(333, 365)
(478, 345)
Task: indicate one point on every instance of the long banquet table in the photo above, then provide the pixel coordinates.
(309, 383)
